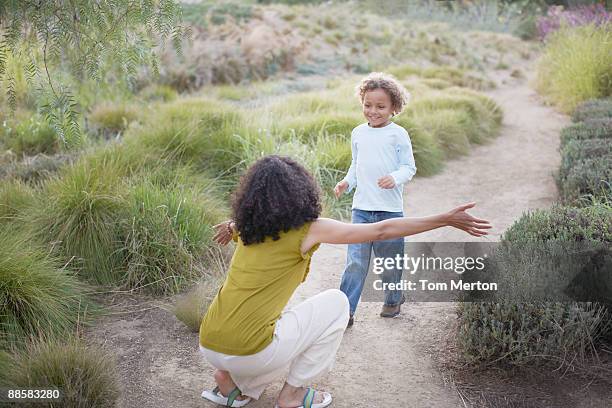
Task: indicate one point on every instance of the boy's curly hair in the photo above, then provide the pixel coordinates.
(379, 80)
(276, 194)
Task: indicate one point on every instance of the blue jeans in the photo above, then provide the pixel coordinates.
(358, 260)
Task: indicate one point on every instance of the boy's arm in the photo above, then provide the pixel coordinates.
(351, 176)
(407, 166)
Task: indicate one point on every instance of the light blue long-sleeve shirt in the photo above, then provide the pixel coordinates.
(378, 152)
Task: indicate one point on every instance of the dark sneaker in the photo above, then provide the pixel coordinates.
(392, 311)
(350, 322)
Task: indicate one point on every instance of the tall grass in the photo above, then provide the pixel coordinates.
(167, 231)
(38, 298)
(79, 217)
(15, 197)
(576, 66)
(191, 307)
(85, 375)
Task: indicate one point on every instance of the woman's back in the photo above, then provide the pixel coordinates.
(261, 279)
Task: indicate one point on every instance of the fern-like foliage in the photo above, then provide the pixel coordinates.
(81, 36)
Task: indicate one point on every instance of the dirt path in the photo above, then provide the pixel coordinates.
(381, 362)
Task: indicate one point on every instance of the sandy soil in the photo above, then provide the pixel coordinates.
(381, 362)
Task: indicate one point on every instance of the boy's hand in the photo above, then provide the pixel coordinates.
(386, 182)
(340, 188)
(223, 232)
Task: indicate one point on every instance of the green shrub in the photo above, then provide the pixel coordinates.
(593, 109)
(37, 298)
(530, 257)
(308, 127)
(32, 136)
(427, 152)
(576, 66)
(578, 150)
(334, 152)
(450, 128)
(591, 129)
(191, 307)
(111, 118)
(526, 334)
(157, 92)
(78, 215)
(482, 111)
(191, 131)
(167, 231)
(35, 169)
(15, 196)
(592, 176)
(86, 375)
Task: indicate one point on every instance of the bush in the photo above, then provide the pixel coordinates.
(577, 150)
(86, 376)
(334, 152)
(450, 128)
(484, 114)
(167, 231)
(78, 215)
(191, 307)
(155, 92)
(557, 17)
(32, 136)
(37, 298)
(428, 154)
(14, 198)
(191, 131)
(576, 66)
(591, 129)
(536, 332)
(111, 118)
(593, 109)
(309, 127)
(592, 176)
(35, 169)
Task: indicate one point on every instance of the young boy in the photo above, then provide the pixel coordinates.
(382, 161)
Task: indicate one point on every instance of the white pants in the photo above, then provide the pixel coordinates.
(306, 339)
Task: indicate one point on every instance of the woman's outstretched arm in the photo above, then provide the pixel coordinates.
(326, 230)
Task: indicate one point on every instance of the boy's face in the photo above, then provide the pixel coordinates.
(377, 107)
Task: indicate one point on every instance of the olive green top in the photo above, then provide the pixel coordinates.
(262, 277)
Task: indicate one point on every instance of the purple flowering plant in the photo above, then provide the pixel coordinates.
(557, 16)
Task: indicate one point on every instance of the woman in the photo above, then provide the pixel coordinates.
(245, 333)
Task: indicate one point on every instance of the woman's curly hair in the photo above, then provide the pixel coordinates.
(379, 80)
(276, 194)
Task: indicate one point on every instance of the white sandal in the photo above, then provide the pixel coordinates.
(229, 401)
(307, 402)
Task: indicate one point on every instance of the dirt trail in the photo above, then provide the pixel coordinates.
(381, 362)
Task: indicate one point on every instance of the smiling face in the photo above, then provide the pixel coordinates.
(377, 107)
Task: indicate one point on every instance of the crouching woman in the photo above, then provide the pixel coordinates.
(246, 334)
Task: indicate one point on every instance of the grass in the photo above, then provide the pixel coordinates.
(191, 307)
(15, 197)
(167, 231)
(86, 375)
(112, 118)
(194, 131)
(30, 137)
(78, 216)
(38, 298)
(576, 66)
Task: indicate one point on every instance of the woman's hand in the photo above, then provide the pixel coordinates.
(386, 182)
(224, 232)
(340, 188)
(460, 219)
